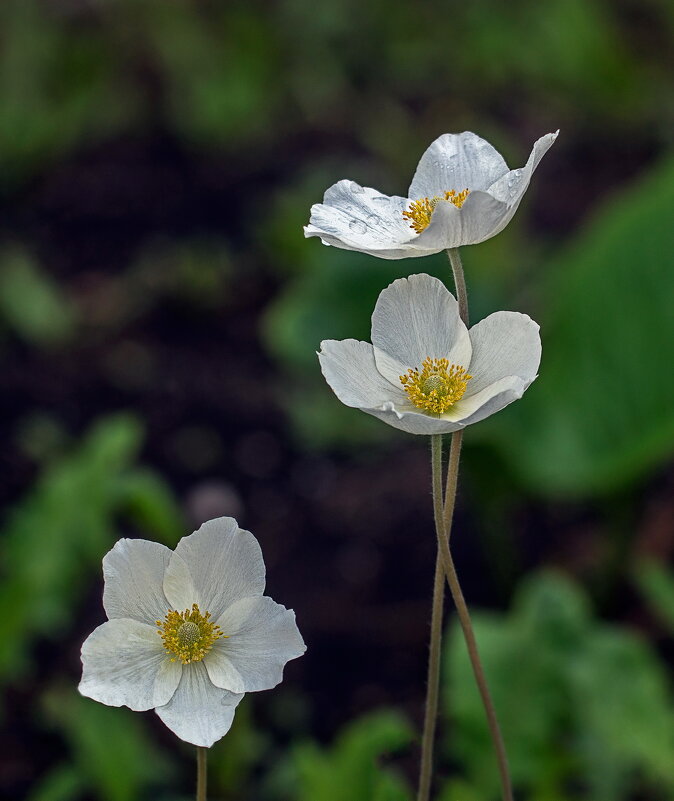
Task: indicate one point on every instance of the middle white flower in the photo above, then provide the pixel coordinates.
(425, 372)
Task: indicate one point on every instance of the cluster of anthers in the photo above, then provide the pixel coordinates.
(421, 211)
(437, 386)
(188, 635)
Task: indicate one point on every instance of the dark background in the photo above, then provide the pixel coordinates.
(159, 316)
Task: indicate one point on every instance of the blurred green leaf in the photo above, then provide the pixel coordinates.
(63, 783)
(56, 536)
(575, 697)
(31, 303)
(323, 775)
(601, 412)
(111, 749)
(656, 583)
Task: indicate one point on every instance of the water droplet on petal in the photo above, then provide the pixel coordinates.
(357, 226)
(373, 219)
(356, 188)
(381, 199)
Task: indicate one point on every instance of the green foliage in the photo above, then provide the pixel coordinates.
(56, 536)
(112, 753)
(31, 303)
(600, 413)
(656, 583)
(59, 86)
(350, 764)
(577, 699)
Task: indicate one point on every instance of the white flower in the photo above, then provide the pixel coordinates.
(462, 193)
(189, 631)
(425, 372)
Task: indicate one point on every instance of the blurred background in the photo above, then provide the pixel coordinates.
(159, 316)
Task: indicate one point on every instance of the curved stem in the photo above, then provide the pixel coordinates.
(459, 283)
(480, 679)
(435, 646)
(202, 754)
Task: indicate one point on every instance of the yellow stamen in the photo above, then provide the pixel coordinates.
(437, 386)
(421, 211)
(188, 635)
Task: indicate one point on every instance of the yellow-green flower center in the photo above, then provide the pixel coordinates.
(188, 635)
(437, 386)
(421, 211)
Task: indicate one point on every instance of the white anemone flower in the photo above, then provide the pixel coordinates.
(462, 193)
(425, 372)
(189, 631)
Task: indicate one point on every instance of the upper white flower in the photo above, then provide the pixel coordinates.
(462, 193)
(425, 372)
(189, 631)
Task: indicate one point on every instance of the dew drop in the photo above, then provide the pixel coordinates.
(373, 219)
(381, 199)
(356, 188)
(357, 226)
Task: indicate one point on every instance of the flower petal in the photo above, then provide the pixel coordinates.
(214, 567)
(134, 573)
(489, 400)
(416, 318)
(456, 161)
(413, 422)
(354, 217)
(349, 368)
(263, 636)
(510, 188)
(504, 344)
(479, 218)
(124, 664)
(199, 712)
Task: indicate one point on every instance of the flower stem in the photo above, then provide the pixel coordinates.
(435, 647)
(448, 563)
(202, 754)
(459, 283)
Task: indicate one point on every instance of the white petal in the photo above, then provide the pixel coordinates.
(263, 636)
(456, 161)
(504, 344)
(480, 217)
(415, 318)
(124, 664)
(491, 399)
(134, 575)
(354, 217)
(214, 567)
(199, 712)
(349, 368)
(413, 422)
(511, 187)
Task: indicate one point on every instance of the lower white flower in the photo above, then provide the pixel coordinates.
(425, 372)
(189, 631)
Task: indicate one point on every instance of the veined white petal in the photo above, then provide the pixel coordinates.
(124, 664)
(349, 368)
(199, 712)
(214, 567)
(458, 162)
(451, 227)
(413, 422)
(504, 344)
(262, 637)
(359, 218)
(471, 409)
(511, 187)
(134, 574)
(416, 318)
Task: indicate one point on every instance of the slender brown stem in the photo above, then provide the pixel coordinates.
(435, 646)
(448, 563)
(459, 283)
(202, 754)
